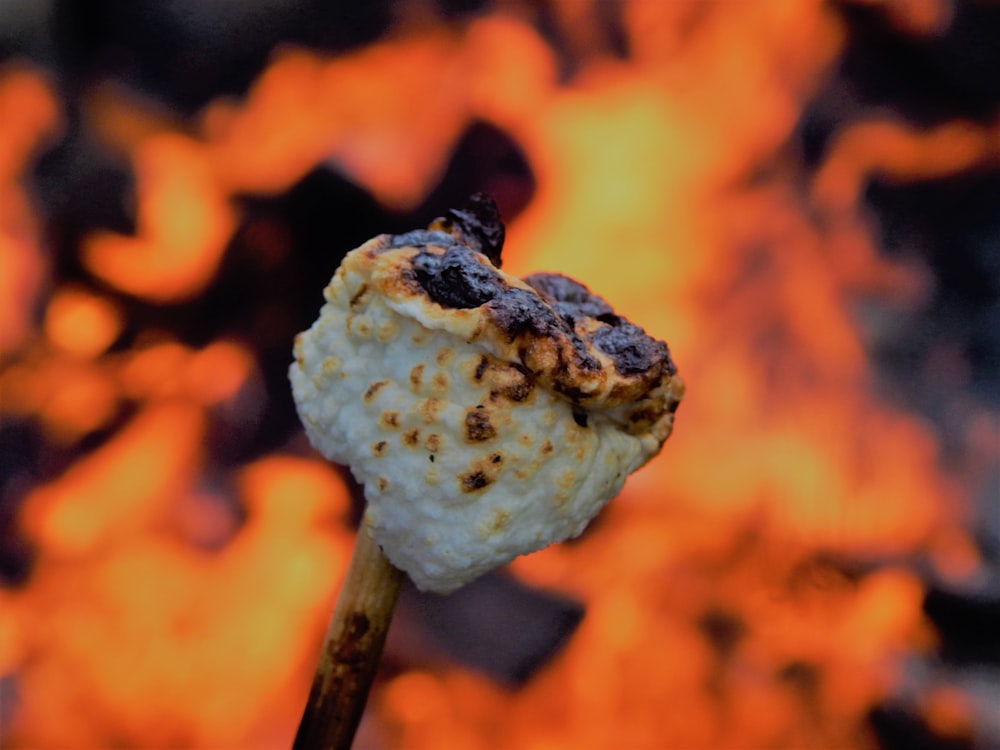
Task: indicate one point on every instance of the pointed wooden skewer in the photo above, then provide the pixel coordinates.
(351, 649)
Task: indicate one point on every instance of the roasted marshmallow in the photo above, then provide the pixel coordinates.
(486, 416)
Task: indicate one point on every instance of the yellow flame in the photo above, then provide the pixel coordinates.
(717, 615)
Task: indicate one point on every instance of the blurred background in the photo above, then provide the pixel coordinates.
(802, 197)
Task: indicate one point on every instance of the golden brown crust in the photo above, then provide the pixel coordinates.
(544, 331)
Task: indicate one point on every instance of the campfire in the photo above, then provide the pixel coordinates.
(793, 572)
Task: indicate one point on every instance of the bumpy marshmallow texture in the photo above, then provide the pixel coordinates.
(486, 416)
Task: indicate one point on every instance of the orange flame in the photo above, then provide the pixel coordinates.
(81, 323)
(718, 611)
(29, 116)
(184, 222)
(173, 629)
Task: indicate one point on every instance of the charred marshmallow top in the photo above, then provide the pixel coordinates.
(486, 416)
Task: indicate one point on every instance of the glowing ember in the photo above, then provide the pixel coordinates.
(177, 600)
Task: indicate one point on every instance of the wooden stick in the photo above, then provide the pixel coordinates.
(351, 649)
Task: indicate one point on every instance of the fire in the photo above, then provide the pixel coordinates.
(29, 117)
(116, 552)
(184, 222)
(746, 590)
(386, 115)
(81, 323)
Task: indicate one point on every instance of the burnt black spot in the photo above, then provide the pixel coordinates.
(457, 279)
(570, 298)
(518, 311)
(631, 350)
(517, 392)
(580, 417)
(474, 481)
(422, 238)
(581, 355)
(478, 427)
(431, 457)
(495, 458)
(481, 368)
(570, 391)
(477, 224)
